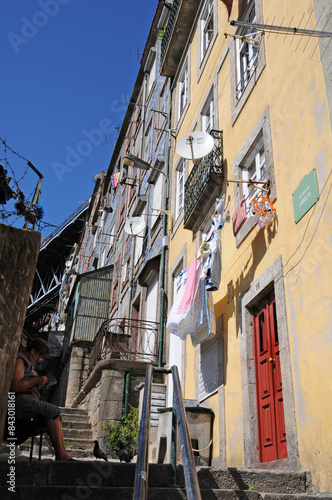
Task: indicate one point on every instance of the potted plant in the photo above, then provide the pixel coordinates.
(125, 432)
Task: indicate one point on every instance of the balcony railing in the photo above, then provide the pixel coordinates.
(178, 28)
(129, 339)
(203, 185)
(169, 28)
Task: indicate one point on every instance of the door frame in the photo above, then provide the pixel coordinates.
(271, 278)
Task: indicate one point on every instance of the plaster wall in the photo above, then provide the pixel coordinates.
(292, 90)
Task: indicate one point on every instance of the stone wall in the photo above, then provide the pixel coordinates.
(19, 251)
(104, 402)
(78, 369)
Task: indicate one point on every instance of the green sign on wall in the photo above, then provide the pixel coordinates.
(306, 195)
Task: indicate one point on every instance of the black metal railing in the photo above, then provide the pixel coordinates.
(205, 171)
(142, 464)
(129, 339)
(169, 28)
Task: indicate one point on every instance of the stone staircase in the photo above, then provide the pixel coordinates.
(76, 432)
(97, 480)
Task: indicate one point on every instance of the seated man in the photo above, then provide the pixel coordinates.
(26, 384)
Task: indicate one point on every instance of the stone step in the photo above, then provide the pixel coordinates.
(118, 493)
(69, 417)
(104, 480)
(113, 474)
(73, 411)
(262, 480)
(77, 434)
(69, 424)
(48, 452)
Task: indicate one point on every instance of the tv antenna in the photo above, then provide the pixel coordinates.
(137, 54)
(195, 145)
(134, 225)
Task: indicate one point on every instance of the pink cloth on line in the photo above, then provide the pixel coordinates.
(190, 287)
(239, 216)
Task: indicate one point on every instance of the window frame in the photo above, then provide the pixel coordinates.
(238, 101)
(180, 172)
(183, 90)
(208, 113)
(148, 142)
(260, 135)
(258, 159)
(151, 70)
(207, 34)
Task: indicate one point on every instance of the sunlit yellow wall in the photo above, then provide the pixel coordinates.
(293, 86)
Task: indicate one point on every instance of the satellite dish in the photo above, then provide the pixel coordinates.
(96, 177)
(195, 145)
(134, 225)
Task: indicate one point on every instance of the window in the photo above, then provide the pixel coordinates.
(183, 89)
(247, 60)
(157, 199)
(151, 69)
(148, 143)
(126, 266)
(246, 54)
(115, 291)
(208, 115)
(255, 162)
(138, 113)
(122, 206)
(207, 28)
(208, 373)
(179, 189)
(133, 182)
(255, 170)
(138, 242)
(162, 107)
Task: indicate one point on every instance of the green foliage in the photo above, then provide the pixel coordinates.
(126, 431)
(161, 32)
(249, 487)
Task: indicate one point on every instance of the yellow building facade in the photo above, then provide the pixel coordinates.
(268, 94)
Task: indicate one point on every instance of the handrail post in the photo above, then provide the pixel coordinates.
(189, 468)
(174, 443)
(141, 474)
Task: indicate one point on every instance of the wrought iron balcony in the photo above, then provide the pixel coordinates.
(129, 339)
(203, 185)
(176, 34)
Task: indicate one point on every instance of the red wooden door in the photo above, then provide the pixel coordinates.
(270, 410)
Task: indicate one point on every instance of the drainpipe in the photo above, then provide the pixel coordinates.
(165, 235)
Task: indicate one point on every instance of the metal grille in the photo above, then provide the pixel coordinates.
(208, 374)
(169, 27)
(129, 339)
(202, 173)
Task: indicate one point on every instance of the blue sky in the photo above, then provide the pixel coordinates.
(67, 69)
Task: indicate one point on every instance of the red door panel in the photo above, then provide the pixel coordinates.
(270, 411)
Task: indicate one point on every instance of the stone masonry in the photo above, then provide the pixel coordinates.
(18, 258)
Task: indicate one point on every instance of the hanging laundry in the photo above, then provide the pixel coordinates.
(199, 320)
(239, 216)
(115, 179)
(227, 216)
(189, 290)
(218, 217)
(213, 268)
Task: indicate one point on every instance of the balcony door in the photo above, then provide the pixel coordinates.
(272, 442)
(149, 343)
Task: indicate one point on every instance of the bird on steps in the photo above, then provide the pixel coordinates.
(122, 453)
(98, 452)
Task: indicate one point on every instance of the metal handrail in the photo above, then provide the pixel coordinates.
(142, 465)
(189, 469)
